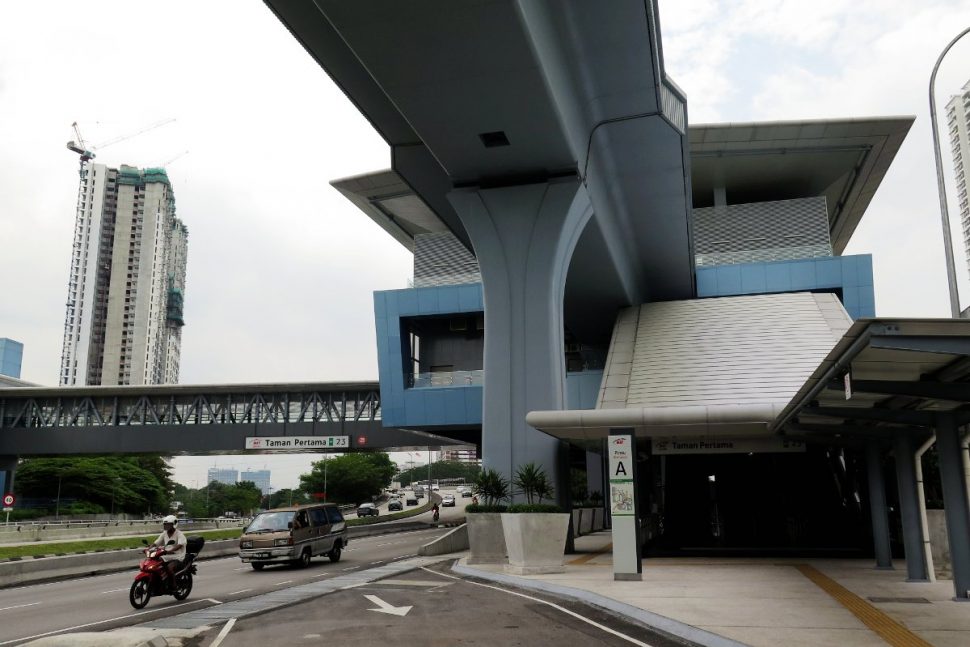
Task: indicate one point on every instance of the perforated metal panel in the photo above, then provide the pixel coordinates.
(761, 231)
(441, 259)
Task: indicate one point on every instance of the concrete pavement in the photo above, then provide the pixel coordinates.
(763, 602)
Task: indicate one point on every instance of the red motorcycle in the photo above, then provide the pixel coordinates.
(152, 578)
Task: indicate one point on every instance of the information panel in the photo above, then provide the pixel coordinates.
(289, 443)
(722, 445)
(621, 460)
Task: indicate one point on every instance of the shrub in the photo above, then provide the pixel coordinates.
(519, 508)
(533, 483)
(491, 486)
(481, 507)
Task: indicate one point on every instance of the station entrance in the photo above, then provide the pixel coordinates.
(759, 503)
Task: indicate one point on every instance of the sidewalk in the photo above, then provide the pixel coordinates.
(764, 602)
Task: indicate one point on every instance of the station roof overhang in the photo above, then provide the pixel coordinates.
(844, 160)
(903, 373)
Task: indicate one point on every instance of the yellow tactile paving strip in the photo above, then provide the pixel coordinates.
(591, 556)
(888, 629)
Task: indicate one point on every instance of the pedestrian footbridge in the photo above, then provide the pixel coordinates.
(190, 419)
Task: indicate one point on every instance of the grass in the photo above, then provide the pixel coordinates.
(404, 514)
(101, 545)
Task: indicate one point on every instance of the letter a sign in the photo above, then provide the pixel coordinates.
(622, 494)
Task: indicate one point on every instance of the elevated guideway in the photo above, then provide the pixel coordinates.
(187, 419)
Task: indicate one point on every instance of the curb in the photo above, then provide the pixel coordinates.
(662, 624)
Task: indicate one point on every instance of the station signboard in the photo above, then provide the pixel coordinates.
(291, 443)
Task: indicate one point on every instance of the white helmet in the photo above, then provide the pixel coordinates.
(172, 519)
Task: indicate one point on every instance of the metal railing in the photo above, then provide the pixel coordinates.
(451, 378)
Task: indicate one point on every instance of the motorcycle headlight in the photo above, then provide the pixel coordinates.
(246, 544)
(283, 542)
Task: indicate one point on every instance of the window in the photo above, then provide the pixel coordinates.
(334, 515)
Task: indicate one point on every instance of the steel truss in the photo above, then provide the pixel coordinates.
(184, 407)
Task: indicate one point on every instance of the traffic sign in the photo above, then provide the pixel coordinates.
(8, 500)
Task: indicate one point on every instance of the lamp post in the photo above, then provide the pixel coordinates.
(325, 478)
(57, 507)
(951, 274)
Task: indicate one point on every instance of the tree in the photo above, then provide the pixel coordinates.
(350, 478)
(132, 484)
(285, 497)
(440, 470)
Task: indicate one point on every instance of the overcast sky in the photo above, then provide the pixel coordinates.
(281, 268)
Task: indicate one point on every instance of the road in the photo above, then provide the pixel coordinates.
(431, 606)
(101, 602)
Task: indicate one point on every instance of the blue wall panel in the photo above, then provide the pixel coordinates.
(850, 275)
(582, 389)
(430, 406)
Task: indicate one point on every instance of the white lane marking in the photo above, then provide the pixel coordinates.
(114, 590)
(379, 562)
(322, 575)
(214, 601)
(547, 603)
(244, 568)
(282, 583)
(238, 592)
(222, 634)
(20, 606)
(350, 568)
(101, 622)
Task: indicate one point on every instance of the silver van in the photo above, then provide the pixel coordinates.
(293, 535)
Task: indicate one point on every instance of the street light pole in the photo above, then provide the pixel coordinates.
(324, 478)
(951, 273)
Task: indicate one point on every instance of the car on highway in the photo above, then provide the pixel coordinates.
(448, 501)
(395, 505)
(435, 488)
(367, 510)
(293, 535)
(412, 499)
(466, 493)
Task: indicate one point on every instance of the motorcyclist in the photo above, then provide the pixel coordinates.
(175, 553)
(434, 508)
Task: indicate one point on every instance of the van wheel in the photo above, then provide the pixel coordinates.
(257, 566)
(304, 560)
(334, 553)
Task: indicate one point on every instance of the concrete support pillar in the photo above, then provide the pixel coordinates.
(905, 449)
(8, 468)
(877, 506)
(955, 501)
(523, 237)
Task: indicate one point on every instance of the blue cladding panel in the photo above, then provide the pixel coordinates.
(425, 407)
(582, 389)
(11, 357)
(850, 275)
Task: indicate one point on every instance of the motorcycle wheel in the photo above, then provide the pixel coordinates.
(140, 594)
(183, 586)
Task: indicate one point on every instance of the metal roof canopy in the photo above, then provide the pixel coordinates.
(902, 374)
(844, 160)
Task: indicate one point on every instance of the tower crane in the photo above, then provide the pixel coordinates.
(171, 159)
(87, 153)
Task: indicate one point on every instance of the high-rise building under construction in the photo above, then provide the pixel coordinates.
(958, 123)
(127, 282)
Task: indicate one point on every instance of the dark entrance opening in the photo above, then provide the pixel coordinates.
(760, 504)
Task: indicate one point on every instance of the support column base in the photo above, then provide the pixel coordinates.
(884, 568)
(627, 577)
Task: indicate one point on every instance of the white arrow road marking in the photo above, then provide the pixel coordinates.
(387, 608)
(222, 634)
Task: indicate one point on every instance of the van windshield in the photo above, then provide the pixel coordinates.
(270, 522)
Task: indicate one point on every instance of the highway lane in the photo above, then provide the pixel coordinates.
(101, 602)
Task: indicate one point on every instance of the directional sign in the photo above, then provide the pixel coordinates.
(290, 443)
(384, 607)
(8, 500)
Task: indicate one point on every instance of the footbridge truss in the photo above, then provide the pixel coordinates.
(194, 419)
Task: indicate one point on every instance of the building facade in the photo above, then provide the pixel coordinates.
(11, 357)
(260, 478)
(228, 476)
(123, 323)
(958, 125)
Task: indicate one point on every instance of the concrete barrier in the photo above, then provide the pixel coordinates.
(451, 542)
(33, 570)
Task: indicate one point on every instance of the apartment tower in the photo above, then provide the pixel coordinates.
(958, 125)
(127, 281)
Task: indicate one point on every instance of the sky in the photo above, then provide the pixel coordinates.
(281, 268)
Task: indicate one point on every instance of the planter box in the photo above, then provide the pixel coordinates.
(586, 522)
(486, 541)
(577, 517)
(536, 542)
(598, 518)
